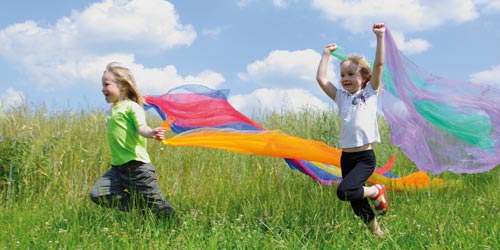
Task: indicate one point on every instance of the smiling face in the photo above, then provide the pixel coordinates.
(350, 77)
(110, 88)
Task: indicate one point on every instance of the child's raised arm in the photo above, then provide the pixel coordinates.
(378, 64)
(326, 85)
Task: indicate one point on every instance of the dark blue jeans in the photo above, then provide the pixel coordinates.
(131, 184)
(356, 168)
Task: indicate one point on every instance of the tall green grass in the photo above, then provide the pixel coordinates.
(49, 160)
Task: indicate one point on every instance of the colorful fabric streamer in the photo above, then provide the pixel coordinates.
(440, 124)
(203, 117)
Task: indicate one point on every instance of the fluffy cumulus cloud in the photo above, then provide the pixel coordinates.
(138, 24)
(76, 48)
(288, 69)
(491, 76)
(160, 80)
(153, 80)
(11, 98)
(402, 15)
(289, 80)
(134, 24)
(277, 100)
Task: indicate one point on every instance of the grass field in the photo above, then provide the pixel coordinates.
(224, 200)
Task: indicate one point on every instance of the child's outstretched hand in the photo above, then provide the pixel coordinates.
(331, 47)
(379, 28)
(159, 133)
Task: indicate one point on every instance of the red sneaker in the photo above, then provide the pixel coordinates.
(380, 201)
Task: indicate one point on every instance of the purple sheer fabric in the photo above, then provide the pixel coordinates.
(440, 124)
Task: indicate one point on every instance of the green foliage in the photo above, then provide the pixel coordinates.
(224, 200)
(12, 153)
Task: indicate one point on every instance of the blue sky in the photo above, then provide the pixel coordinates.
(53, 52)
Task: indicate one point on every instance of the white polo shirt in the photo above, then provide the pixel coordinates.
(358, 119)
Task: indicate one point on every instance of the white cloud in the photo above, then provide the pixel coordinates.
(413, 46)
(84, 70)
(290, 80)
(77, 48)
(289, 69)
(276, 100)
(148, 80)
(160, 80)
(403, 15)
(11, 98)
(138, 24)
(491, 76)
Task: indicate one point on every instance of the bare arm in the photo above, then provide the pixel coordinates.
(148, 132)
(326, 85)
(378, 64)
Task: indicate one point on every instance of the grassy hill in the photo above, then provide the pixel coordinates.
(224, 200)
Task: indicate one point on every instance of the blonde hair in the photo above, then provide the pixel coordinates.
(123, 76)
(363, 67)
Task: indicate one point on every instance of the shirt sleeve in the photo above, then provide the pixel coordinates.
(370, 89)
(137, 114)
(338, 97)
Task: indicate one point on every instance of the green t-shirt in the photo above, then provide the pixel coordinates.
(123, 136)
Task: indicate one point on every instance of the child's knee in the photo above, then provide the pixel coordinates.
(95, 197)
(342, 193)
(166, 212)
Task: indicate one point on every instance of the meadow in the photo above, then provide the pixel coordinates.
(49, 160)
